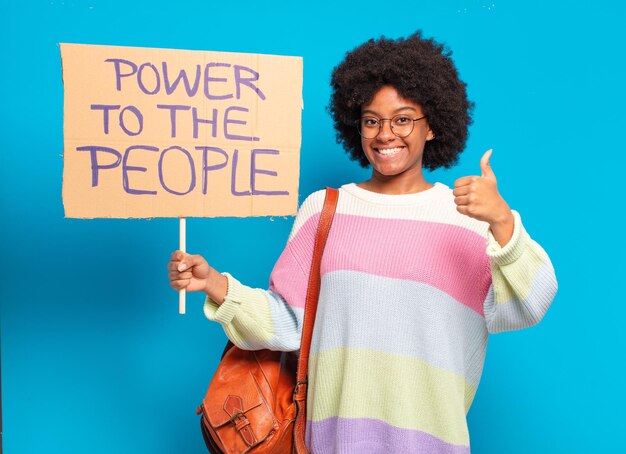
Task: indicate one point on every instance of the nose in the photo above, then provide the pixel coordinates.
(384, 132)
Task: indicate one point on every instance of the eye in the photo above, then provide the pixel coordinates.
(369, 122)
(401, 120)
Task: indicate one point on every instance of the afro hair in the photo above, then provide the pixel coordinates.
(422, 71)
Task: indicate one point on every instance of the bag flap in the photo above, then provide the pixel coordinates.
(234, 391)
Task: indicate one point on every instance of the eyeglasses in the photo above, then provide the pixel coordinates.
(401, 125)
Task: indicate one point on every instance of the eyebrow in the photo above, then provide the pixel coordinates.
(369, 111)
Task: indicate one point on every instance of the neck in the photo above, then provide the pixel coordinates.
(384, 184)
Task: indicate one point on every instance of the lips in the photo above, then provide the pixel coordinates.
(388, 151)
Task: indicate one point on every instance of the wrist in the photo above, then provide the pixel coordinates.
(505, 219)
(216, 286)
(502, 227)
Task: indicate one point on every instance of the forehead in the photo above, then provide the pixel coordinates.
(387, 101)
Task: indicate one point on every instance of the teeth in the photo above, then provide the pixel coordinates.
(388, 151)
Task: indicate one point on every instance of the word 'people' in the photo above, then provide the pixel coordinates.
(172, 157)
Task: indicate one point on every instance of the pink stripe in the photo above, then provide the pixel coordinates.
(448, 257)
(291, 271)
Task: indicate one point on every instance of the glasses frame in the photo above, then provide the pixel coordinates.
(380, 125)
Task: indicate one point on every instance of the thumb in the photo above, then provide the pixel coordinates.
(485, 167)
(187, 261)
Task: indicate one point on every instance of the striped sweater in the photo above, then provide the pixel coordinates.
(410, 291)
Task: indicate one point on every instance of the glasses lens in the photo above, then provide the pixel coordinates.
(401, 125)
(369, 127)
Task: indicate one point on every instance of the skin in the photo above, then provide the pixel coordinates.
(193, 273)
(400, 173)
(397, 173)
(478, 198)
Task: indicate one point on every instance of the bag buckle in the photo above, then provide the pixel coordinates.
(234, 407)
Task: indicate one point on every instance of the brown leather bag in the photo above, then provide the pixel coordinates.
(256, 401)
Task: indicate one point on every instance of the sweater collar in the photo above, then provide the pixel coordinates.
(429, 194)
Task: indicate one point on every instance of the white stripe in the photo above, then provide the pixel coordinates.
(433, 205)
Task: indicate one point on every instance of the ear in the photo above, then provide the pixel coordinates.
(430, 135)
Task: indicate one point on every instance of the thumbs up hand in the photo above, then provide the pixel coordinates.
(478, 198)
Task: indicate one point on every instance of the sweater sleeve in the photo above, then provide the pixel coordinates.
(523, 282)
(255, 319)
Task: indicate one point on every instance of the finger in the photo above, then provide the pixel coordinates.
(173, 265)
(189, 261)
(485, 166)
(461, 190)
(175, 275)
(179, 284)
(177, 256)
(462, 209)
(179, 267)
(463, 200)
(464, 181)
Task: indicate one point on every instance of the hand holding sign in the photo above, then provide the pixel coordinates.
(192, 273)
(478, 198)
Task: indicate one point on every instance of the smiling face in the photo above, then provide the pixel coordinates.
(396, 161)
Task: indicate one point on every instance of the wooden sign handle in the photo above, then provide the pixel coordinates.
(182, 239)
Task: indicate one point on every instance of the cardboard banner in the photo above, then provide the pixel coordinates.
(176, 133)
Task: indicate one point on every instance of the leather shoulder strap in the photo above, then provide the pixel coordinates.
(313, 289)
(310, 309)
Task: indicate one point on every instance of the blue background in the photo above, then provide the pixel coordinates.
(95, 357)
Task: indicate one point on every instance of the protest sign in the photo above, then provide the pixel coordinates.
(176, 133)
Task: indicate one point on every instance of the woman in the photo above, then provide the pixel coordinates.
(415, 275)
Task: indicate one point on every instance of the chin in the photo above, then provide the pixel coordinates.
(386, 172)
